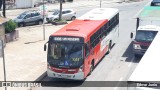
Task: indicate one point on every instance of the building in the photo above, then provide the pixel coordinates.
(11, 4)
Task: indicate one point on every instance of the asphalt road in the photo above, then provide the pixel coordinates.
(120, 63)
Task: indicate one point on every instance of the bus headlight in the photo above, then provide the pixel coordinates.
(48, 66)
(81, 68)
(136, 46)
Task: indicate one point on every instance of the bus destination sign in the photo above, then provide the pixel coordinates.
(70, 39)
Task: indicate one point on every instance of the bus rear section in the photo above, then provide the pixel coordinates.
(76, 49)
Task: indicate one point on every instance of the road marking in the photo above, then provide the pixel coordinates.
(116, 88)
(130, 64)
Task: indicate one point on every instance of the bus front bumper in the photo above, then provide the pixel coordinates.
(76, 76)
(139, 51)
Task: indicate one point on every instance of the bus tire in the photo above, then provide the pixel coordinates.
(91, 68)
(109, 47)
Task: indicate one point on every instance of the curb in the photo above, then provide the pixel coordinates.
(42, 76)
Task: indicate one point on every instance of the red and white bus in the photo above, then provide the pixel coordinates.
(74, 50)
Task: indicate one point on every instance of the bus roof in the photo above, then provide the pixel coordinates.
(149, 28)
(80, 28)
(99, 14)
(88, 23)
(150, 12)
(148, 68)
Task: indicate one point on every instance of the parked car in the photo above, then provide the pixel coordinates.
(67, 14)
(29, 18)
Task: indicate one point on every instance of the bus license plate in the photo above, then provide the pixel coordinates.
(63, 76)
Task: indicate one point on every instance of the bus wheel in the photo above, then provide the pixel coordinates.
(109, 47)
(91, 68)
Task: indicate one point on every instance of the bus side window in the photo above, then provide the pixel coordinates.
(87, 49)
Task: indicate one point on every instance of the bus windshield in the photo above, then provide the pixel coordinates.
(145, 36)
(64, 55)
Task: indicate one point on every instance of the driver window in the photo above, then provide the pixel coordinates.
(55, 51)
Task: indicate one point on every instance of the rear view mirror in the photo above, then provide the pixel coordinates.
(45, 46)
(131, 35)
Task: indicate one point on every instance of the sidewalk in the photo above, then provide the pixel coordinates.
(25, 59)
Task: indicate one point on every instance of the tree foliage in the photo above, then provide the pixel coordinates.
(10, 26)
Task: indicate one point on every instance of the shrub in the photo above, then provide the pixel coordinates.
(10, 26)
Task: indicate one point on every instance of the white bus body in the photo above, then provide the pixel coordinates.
(148, 69)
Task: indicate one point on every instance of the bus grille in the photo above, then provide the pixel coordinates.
(144, 47)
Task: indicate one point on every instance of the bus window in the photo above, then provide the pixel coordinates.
(87, 49)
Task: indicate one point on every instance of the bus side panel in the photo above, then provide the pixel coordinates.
(87, 64)
(105, 43)
(97, 53)
(115, 34)
(105, 50)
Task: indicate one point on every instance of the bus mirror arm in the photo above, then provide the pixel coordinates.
(45, 46)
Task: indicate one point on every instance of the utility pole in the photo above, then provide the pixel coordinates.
(4, 8)
(3, 56)
(43, 21)
(60, 13)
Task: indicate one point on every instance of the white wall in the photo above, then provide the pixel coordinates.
(24, 3)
